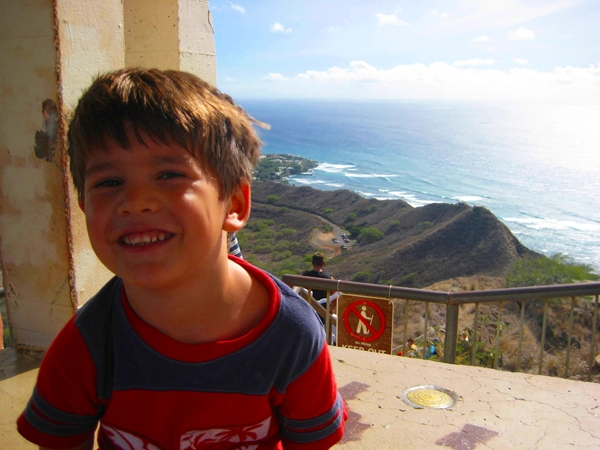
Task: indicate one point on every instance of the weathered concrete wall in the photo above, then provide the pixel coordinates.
(90, 41)
(170, 34)
(48, 56)
(49, 53)
(196, 40)
(151, 33)
(32, 215)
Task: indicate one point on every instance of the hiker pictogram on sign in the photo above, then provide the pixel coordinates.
(362, 324)
(364, 320)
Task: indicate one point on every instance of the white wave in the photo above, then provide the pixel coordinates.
(468, 198)
(308, 181)
(359, 175)
(365, 194)
(334, 168)
(417, 203)
(370, 175)
(554, 224)
(337, 185)
(400, 194)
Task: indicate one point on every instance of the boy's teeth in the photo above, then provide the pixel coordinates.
(144, 238)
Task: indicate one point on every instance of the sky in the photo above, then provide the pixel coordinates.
(523, 50)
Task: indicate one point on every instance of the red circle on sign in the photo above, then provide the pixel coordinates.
(376, 333)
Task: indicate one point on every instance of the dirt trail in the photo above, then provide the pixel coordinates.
(323, 240)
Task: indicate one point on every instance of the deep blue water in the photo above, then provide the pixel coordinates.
(536, 167)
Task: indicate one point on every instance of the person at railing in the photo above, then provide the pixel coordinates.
(186, 347)
(318, 264)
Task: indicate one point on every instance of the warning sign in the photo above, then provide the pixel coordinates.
(367, 324)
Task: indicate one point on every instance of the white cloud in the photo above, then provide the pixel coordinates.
(279, 28)
(275, 77)
(521, 61)
(475, 62)
(389, 19)
(229, 79)
(472, 15)
(521, 34)
(481, 39)
(445, 81)
(238, 8)
(229, 7)
(434, 12)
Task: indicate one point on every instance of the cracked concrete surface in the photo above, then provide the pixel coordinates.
(495, 411)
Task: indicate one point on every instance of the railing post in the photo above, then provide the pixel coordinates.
(543, 337)
(474, 337)
(521, 325)
(498, 332)
(426, 330)
(451, 333)
(568, 359)
(404, 347)
(593, 341)
(328, 318)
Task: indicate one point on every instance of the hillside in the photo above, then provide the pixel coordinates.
(409, 247)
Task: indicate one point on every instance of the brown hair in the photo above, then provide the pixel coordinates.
(318, 259)
(170, 106)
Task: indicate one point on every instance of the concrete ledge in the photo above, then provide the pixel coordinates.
(495, 410)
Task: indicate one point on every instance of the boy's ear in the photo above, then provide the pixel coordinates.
(239, 209)
(81, 201)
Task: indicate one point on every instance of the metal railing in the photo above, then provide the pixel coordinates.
(454, 300)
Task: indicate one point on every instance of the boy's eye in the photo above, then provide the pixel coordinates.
(110, 182)
(169, 175)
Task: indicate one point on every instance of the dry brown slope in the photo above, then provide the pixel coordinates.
(421, 245)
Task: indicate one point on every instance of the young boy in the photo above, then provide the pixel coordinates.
(186, 348)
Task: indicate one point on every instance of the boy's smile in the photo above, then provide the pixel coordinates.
(153, 214)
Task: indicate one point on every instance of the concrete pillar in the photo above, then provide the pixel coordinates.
(170, 34)
(50, 50)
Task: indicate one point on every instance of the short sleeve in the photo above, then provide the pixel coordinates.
(312, 413)
(64, 409)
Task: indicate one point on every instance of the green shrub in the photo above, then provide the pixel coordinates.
(410, 279)
(351, 217)
(394, 226)
(272, 199)
(328, 211)
(557, 269)
(423, 226)
(354, 231)
(370, 235)
(259, 225)
(362, 277)
(368, 210)
(266, 234)
(285, 232)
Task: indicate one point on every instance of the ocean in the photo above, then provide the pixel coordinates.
(535, 166)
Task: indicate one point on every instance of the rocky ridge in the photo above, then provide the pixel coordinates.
(416, 247)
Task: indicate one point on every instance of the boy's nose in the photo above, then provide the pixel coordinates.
(136, 200)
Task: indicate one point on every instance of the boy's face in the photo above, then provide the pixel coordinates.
(154, 216)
